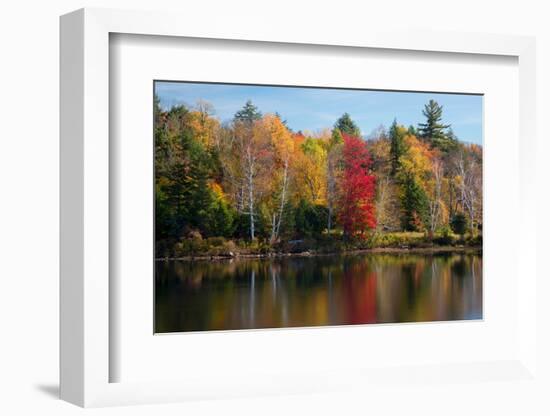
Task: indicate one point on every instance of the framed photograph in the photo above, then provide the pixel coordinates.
(283, 213)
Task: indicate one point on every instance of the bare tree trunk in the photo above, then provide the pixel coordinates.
(451, 191)
(469, 189)
(250, 175)
(472, 219)
(273, 228)
(382, 201)
(471, 209)
(278, 216)
(435, 208)
(283, 199)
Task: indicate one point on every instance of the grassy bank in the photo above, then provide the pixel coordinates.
(218, 247)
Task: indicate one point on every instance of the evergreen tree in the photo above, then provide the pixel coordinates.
(397, 145)
(309, 219)
(413, 131)
(451, 135)
(433, 130)
(183, 169)
(414, 203)
(220, 219)
(347, 126)
(194, 196)
(336, 138)
(248, 114)
(459, 223)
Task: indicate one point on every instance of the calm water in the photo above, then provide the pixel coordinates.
(311, 291)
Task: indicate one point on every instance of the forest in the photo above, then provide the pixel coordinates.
(254, 186)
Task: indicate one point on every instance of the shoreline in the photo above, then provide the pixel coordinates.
(377, 250)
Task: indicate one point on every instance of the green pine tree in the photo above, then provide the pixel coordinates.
(414, 203)
(346, 125)
(248, 114)
(336, 138)
(459, 223)
(433, 130)
(412, 130)
(220, 218)
(397, 145)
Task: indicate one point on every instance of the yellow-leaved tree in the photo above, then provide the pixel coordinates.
(277, 165)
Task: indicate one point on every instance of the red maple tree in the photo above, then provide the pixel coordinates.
(357, 212)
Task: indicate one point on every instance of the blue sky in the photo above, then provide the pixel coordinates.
(316, 108)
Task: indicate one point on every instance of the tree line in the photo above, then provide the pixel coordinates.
(254, 179)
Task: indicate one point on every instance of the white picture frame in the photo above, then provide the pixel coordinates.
(85, 219)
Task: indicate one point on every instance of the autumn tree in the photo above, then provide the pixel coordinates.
(414, 172)
(271, 131)
(251, 177)
(334, 156)
(204, 126)
(244, 157)
(468, 171)
(357, 211)
(255, 148)
(387, 188)
(184, 174)
(310, 169)
(437, 211)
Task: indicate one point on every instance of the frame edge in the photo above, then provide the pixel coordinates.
(71, 219)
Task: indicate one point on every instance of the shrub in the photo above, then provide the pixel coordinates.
(215, 241)
(476, 241)
(191, 246)
(230, 247)
(444, 236)
(393, 240)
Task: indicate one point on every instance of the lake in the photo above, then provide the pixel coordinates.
(318, 290)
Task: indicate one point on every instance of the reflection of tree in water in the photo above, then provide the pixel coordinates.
(459, 266)
(359, 282)
(325, 290)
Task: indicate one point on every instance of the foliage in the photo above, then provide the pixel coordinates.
(347, 126)
(248, 114)
(310, 220)
(433, 130)
(444, 236)
(398, 147)
(357, 212)
(252, 185)
(184, 169)
(414, 203)
(398, 240)
(220, 219)
(459, 223)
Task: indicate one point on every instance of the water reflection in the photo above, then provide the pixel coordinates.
(311, 291)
